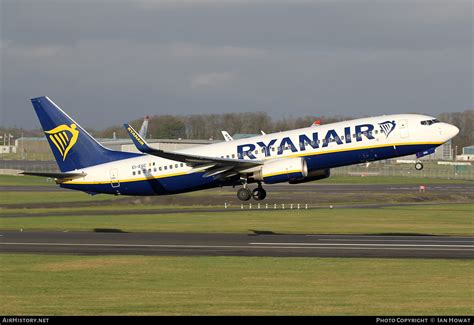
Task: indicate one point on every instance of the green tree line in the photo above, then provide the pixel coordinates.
(209, 126)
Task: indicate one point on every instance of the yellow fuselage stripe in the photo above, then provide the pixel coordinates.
(285, 172)
(127, 180)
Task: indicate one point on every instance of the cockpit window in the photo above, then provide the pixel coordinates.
(429, 122)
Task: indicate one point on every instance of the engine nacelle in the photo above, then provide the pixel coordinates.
(314, 175)
(284, 170)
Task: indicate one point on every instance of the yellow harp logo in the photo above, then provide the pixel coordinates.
(64, 138)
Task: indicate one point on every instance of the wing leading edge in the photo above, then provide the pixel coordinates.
(214, 164)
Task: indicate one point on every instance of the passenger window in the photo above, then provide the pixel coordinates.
(176, 166)
(154, 169)
(233, 156)
(171, 166)
(138, 172)
(133, 173)
(166, 167)
(160, 169)
(149, 170)
(182, 164)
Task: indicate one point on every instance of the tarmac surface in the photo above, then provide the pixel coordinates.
(260, 243)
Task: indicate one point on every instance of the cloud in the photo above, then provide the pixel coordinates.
(212, 80)
(189, 50)
(284, 57)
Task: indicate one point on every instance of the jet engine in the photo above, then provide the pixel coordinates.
(291, 170)
(283, 170)
(314, 175)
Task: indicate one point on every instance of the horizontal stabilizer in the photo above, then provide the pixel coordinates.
(60, 177)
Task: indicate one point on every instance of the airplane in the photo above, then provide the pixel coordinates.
(294, 156)
(228, 137)
(144, 128)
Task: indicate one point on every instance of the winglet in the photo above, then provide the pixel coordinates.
(139, 142)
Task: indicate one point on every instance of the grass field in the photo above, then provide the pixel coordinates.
(146, 285)
(137, 285)
(433, 220)
(50, 197)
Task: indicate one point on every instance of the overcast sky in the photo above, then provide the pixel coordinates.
(107, 62)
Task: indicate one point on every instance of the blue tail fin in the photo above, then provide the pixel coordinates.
(72, 146)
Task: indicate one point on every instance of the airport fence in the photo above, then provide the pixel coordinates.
(29, 165)
(432, 169)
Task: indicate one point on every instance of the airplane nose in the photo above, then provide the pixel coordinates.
(450, 130)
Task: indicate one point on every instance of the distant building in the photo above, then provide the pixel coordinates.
(467, 154)
(38, 148)
(7, 149)
(162, 144)
(238, 136)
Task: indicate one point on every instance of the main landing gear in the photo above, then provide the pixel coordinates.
(244, 193)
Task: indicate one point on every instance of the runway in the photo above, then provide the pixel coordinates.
(260, 243)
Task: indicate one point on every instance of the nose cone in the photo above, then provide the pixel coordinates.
(450, 130)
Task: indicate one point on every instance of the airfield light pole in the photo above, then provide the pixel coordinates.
(22, 147)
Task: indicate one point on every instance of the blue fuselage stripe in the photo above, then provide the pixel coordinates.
(196, 181)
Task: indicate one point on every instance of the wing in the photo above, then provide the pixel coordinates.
(215, 165)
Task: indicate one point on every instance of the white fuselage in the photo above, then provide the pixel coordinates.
(373, 136)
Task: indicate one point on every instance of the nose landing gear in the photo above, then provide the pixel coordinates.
(418, 165)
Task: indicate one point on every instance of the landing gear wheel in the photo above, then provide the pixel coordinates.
(418, 166)
(244, 194)
(259, 194)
